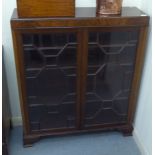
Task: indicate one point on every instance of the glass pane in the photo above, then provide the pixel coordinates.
(50, 70)
(111, 58)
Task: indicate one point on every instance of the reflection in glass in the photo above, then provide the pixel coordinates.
(50, 68)
(111, 58)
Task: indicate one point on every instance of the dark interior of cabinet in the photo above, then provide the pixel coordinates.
(50, 74)
(50, 63)
(111, 59)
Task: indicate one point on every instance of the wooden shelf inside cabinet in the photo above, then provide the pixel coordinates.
(79, 74)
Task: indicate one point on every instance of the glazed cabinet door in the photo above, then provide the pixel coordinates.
(50, 74)
(111, 60)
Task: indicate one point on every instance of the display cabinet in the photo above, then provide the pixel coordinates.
(79, 74)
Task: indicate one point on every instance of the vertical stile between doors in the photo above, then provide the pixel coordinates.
(82, 78)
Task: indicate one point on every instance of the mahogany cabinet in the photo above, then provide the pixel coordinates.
(79, 74)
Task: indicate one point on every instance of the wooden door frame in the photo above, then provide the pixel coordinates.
(140, 52)
(17, 41)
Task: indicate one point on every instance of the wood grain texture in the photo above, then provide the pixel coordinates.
(20, 78)
(29, 140)
(45, 8)
(85, 17)
(137, 73)
(85, 21)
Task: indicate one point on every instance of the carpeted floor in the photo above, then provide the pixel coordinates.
(109, 143)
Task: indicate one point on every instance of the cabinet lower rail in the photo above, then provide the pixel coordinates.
(29, 140)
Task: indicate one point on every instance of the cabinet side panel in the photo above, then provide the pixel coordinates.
(137, 73)
(20, 79)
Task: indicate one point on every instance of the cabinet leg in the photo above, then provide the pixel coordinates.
(28, 141)
(127, 131)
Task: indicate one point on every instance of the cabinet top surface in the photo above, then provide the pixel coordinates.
(88, 14)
